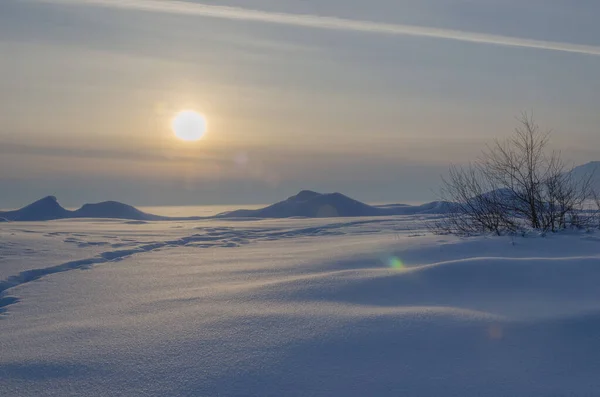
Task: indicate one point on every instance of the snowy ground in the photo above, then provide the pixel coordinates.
(340, 307)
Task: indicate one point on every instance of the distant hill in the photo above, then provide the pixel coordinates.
(584, 171)
(311, 204)
(306, 204)
(45, 209)
(113, 209)
(48, 209)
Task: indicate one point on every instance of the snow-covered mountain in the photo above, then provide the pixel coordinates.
(306, 204)
(584, 171)
(44, 209)
(113, 209)
(311, 204)
(48, 208)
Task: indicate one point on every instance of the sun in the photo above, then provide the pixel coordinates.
(189, 125)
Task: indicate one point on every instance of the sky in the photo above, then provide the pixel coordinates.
(372, 99)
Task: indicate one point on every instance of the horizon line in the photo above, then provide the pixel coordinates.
(327, 23)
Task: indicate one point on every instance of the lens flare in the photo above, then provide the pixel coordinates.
(395, 263)
(495, 332)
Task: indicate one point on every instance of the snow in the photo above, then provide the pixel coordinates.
(294, 307)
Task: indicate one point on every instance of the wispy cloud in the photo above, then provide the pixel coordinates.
(331, 23)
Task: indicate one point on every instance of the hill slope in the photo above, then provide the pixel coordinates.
(48, 209)
(311, 204)
(306, 204)
(113, 209)
(584, 171)
(44, 209)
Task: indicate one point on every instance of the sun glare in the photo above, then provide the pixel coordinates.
(189, 125)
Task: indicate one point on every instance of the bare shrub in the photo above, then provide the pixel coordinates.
(516, 184)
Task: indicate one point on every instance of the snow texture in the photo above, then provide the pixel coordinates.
(294, 307)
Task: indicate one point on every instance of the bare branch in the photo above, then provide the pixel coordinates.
(515, 183)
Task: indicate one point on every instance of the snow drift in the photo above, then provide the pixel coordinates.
(300, 307)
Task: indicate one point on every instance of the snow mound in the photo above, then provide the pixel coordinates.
(311, 204)
(302, 308)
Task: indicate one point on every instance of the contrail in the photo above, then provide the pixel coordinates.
(331, 23)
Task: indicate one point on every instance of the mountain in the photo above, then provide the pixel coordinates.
(306, 204)
(48, 209)
(311, 204)
(45, 209)
(113, 209)
(584, 171)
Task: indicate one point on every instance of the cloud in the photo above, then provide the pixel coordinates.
(330, 23)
